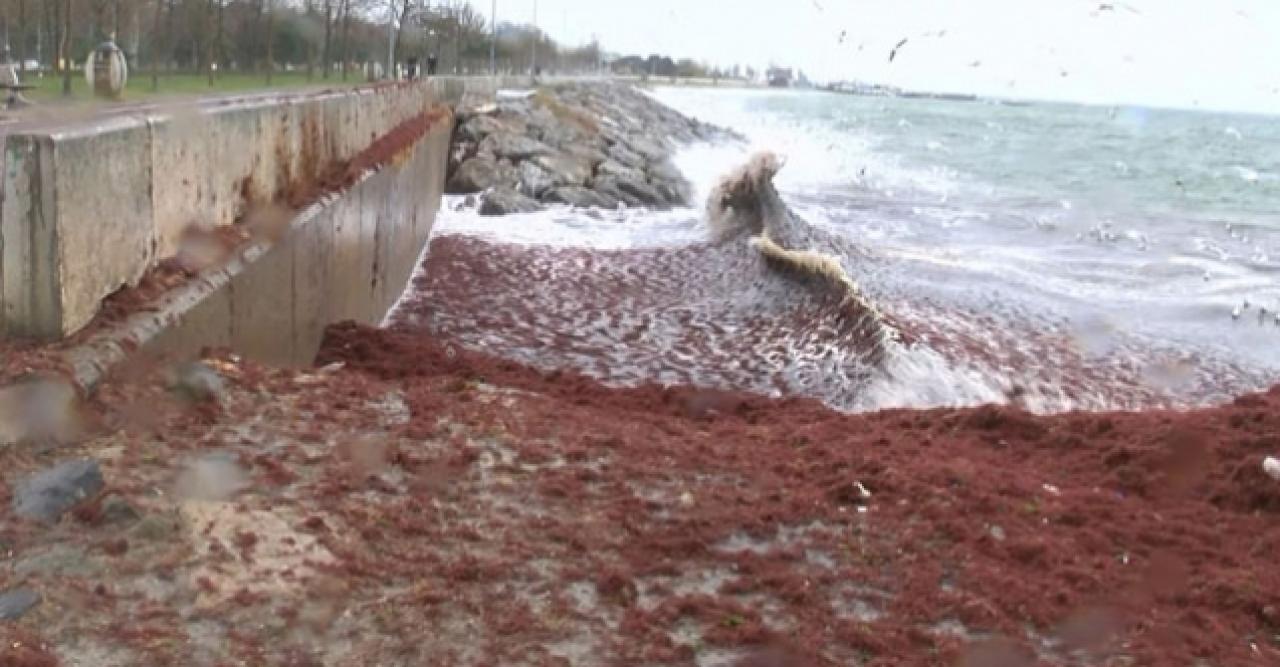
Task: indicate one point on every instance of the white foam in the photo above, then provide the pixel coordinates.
(567, 227)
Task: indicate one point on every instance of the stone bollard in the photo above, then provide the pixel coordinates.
(107, 71)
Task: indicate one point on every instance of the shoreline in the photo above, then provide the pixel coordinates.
(407, 500)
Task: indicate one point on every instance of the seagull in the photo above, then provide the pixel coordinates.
(894, 53)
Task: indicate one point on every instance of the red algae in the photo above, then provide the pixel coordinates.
(898, 537)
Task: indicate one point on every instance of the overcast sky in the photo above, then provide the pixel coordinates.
(1222, 54)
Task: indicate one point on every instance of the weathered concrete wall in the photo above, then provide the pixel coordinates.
(88, 209)
(347, 257)
(85, 210)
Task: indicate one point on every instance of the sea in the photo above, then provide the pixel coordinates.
(1054, 256)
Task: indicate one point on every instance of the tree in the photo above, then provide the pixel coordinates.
(65, 48)
(22, 36)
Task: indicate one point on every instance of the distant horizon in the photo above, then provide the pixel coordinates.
(1176, 54)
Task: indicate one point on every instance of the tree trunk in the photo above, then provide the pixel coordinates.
(326, 56)
(66, 48)
(155, 46)
(222, 35)
(22, 36)
(209, 33)
(395, 53)
(308, 10)
(55, 31)
(346, 34)
(271, 27)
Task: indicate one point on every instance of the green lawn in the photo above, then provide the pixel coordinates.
(49, 89)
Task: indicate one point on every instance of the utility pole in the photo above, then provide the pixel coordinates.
(493, 42)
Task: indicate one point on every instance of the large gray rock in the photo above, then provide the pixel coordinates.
(676, 193)
(46, 495)
(550, 130)
(664, 170)
(534, 180)
(460, 152)
(505, 201)
(16, 602)
(620, 152)
(649, 149)
(576, 195)
(589, 153)
(636, 192)
(567, 169)
(479, 127)
(481, 173)
(515, 147)
(608, 186)
(618, 170)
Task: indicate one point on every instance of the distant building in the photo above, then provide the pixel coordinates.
(779, 77)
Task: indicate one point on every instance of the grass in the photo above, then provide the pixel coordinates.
(48, 90)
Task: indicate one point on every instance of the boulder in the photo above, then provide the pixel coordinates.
(586, 152)
(515, 147)
(460, 152)
(649, 149)
(481, 173)
(46, 495)
(505, 201)
(16, 602)
(576, 195)
(479, 127)
(624, 155)
(567, 169)
(636, 192)
(608, 186)
(664, 170)
(676, 193)
(534, 180)
(618, 170)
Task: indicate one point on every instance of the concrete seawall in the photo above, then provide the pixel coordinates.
(90, 208)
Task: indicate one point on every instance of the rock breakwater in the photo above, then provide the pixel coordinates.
(591, 145)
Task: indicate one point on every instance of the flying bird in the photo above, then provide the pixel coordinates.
(894, 53)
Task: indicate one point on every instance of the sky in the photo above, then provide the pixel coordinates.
(1216, 54)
